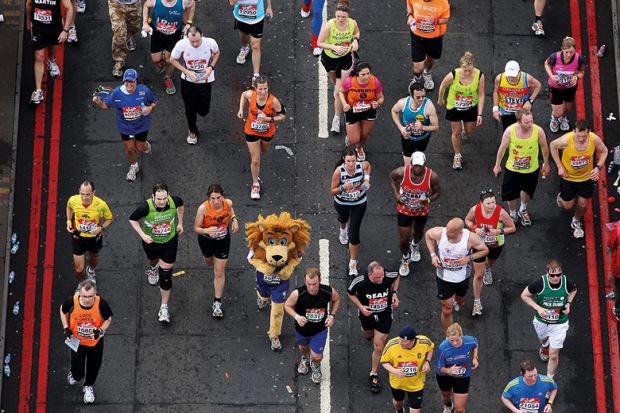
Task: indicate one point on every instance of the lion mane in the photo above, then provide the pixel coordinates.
(277, 243)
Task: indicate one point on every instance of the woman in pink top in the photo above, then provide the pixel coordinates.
(564, 69)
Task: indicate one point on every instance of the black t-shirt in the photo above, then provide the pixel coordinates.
(314, 308)
(537, 286)
(143, 209)
(46, 15)
(376, 296)
(104, 308)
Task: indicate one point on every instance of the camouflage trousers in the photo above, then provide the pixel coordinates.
(126, 20)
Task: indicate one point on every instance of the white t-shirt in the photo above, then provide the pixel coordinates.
(196, 58)
(449, 253)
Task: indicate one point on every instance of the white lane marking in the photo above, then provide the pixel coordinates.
(323, 106)
(326, 398)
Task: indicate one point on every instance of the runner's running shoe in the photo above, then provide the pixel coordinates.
(526, 221)
(403, 270)
(152, 274)
(169, 86)
(117, 69)
(72, 35)
(243, 53)
(487, 279)
(80, 6)
(428, 80)
(53, 68)
(303, 366)
(164, 315)
(131, 44)
(538, 29)
(554, 124)
(132, 172)
(36, 97)
(336, 124)
(316, 374)
(575, 224)
(564, 124)
(375, 385)
(543, 353)
(89, 394)
(415, 251)
(476, 309)
(217, 309)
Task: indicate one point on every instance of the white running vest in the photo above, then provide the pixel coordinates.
(448, 254)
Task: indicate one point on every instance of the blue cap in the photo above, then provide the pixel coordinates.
(130, 75)
(407, 333)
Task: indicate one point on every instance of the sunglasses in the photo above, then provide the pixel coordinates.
(554, 274)
(486, 192)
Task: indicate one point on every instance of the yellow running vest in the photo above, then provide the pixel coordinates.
(523, 153)
(578, 164)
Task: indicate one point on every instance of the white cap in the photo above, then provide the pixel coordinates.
(418, 158)
(512, 68)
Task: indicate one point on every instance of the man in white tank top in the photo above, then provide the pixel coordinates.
(452, 249)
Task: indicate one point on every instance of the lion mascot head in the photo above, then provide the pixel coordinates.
(277, 243)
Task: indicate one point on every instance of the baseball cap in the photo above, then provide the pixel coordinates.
(418, 158)
(130, 75)
(512, 68)
(407, 333)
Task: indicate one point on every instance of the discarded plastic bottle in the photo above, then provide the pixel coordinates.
(16, 308)
(601, 51)
(7, 370)
(15, 247)
(7, 358)
(11, 277)
(13, 238)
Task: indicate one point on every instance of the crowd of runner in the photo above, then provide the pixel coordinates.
(463, 247)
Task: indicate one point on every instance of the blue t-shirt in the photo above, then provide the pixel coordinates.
(531, 399)
(448, 356)
(249, 11)
(129, 117)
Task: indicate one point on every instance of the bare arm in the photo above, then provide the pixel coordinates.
(534, 84)
(481, 95)
(234, 222)
(481, 249)
(396, 112)
(544, 148)
(445, 83)
(396, 177)
(180, 213)
(277, 107)
(509, 224)
(189, 12)
(431, 112)
(432, 237)
(335, 184)
(200, 214)
(435, 187)
(289, 305)
(555, 146)
(470, 217)
(509, 405)
(245, 96)
(497, 169)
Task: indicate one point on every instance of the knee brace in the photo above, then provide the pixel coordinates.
(165, 279)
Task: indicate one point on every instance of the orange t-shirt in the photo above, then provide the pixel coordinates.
(252, 125)
(83, 321)
(426, 14)
(219, 219)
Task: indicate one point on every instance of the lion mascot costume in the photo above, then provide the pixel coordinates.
(276, 244)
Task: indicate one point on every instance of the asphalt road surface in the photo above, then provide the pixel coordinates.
(200, 364)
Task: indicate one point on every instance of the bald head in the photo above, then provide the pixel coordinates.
(454, 228)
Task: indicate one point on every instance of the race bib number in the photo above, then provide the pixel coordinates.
(272, 279)
(579, 162)
(85, 330)
(131, 113)
(377, 304)
(352, 195)
(565, 78)
(220, 232)
(361, 107)
(450, 263)
(530, 405)
(552, 315)
(461, 370)
(86, 226)
(315, 315)
(345, 44)
(410, 368)
(512, 104)
(463, 102)
(248, 10)
(259, 126)
(426, 25)
(43, 16)
(165, 27)
(522, 162)
(161, 230)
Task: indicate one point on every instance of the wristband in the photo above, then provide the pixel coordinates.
(65, 30)
(531, 101)
(68, 221)
(233, 217)
(495, 108)
(473, 227)
(433, 254)
(549, 402)
(189, 22)
(394, 291)
(367, 178)
(331, 315)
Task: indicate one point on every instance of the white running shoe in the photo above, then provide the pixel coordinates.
(554, 124)
(72, 35)
(90, 274)
(577, 229)
(456, 306)
(148, 148)
(403, 270)
(537, 28)
(317, 376)
(304, 14)
(317, 51)
(217, 309)
(89, 394)
(558, 200)
(255, 191)
(487, 278)
(133, 171)
(336, 124)
(304, 365)
(353, 268)
(192, 140)
(261, 304)
(36, 97)
(344, 236)
(164, 315)
(564, 124)
(415, 252)
(70, 379)
(361, 155)
(243, 53)
(477, 309)
(131, 44)
(428, 80)
(80, 6)
(53, 68)
(152, 274)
